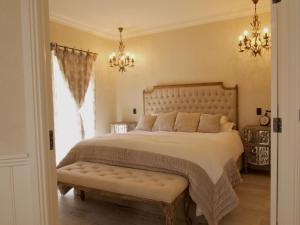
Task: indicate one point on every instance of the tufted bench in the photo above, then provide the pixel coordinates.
(132, 184)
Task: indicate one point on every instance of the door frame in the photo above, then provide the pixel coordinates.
(36, 61)
(285, 168)
(274, 109)
(285, 177)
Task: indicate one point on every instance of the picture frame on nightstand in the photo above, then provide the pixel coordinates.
(122, 127)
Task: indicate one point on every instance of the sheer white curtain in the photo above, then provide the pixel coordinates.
(67, 124)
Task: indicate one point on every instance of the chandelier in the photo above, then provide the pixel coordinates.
(121, 60)
(258, 40)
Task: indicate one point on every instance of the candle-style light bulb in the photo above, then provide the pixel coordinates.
(266, 30)
(241, 38)
(113, 54)
(246, 33)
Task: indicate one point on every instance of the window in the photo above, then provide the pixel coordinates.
(66, 115)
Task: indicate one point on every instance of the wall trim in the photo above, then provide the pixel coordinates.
(64, 20)
(13, 199)
(14, 160)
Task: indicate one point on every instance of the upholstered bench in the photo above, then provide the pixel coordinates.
(131, 184)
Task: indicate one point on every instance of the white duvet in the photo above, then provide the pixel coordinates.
(211, 151)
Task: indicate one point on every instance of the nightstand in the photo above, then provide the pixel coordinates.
(257, 146)
(122, 127)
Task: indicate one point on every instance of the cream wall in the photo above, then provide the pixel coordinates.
(204, 53)
(12, 101)
(105, 78)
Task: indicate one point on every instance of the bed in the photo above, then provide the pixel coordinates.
(207, 161)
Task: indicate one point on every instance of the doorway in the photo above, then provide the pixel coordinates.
(275, 163)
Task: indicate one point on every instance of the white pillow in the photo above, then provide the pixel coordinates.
(225, 124)
(227, 127)
(146, 122)
(224, 119)
(165, 122)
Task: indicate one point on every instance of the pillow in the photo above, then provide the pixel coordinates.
(227, 127)
(209, 123)
(225, 124)
(165, 122)
(187, 122)
(146, 122)
(224, 119)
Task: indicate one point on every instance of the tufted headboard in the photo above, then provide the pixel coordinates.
(213, 98)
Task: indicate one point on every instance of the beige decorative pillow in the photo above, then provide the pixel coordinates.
(165, 122)
(146, 122)
(224, 119)
(187, 122)
(227, 127)
(209, 123)
(225, 124)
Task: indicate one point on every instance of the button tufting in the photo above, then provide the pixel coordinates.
(124, 178)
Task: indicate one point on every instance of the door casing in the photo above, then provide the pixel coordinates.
(285, 177)
(285, 182)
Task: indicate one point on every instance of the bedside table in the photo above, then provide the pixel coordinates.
(257, 146)
(122, 127)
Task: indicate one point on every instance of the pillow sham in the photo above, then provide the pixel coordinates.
(187, 122)
(209, 123)
(165, 122)
(146, 122)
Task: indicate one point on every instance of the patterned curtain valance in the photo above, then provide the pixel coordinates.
(77, 68)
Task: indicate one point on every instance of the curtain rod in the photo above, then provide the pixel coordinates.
(55, 45)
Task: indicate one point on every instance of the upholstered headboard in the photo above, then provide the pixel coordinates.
(213, 98)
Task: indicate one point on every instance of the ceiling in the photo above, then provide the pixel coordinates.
(141, 17)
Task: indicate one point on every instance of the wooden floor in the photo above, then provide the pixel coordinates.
(254, 209)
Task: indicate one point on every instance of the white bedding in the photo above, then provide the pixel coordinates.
(211, 151)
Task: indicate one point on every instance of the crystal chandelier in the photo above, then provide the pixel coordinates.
(258, 40)
(122, 59)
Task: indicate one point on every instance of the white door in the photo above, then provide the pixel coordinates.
(285, 104)
(27, 189)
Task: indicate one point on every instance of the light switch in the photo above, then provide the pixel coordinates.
(258, 111)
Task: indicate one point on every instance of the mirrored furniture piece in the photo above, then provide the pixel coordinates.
(257, 146)
(122, 127)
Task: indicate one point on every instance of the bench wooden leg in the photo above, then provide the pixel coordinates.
(187, 203)
(170, 211)
(82, 195)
